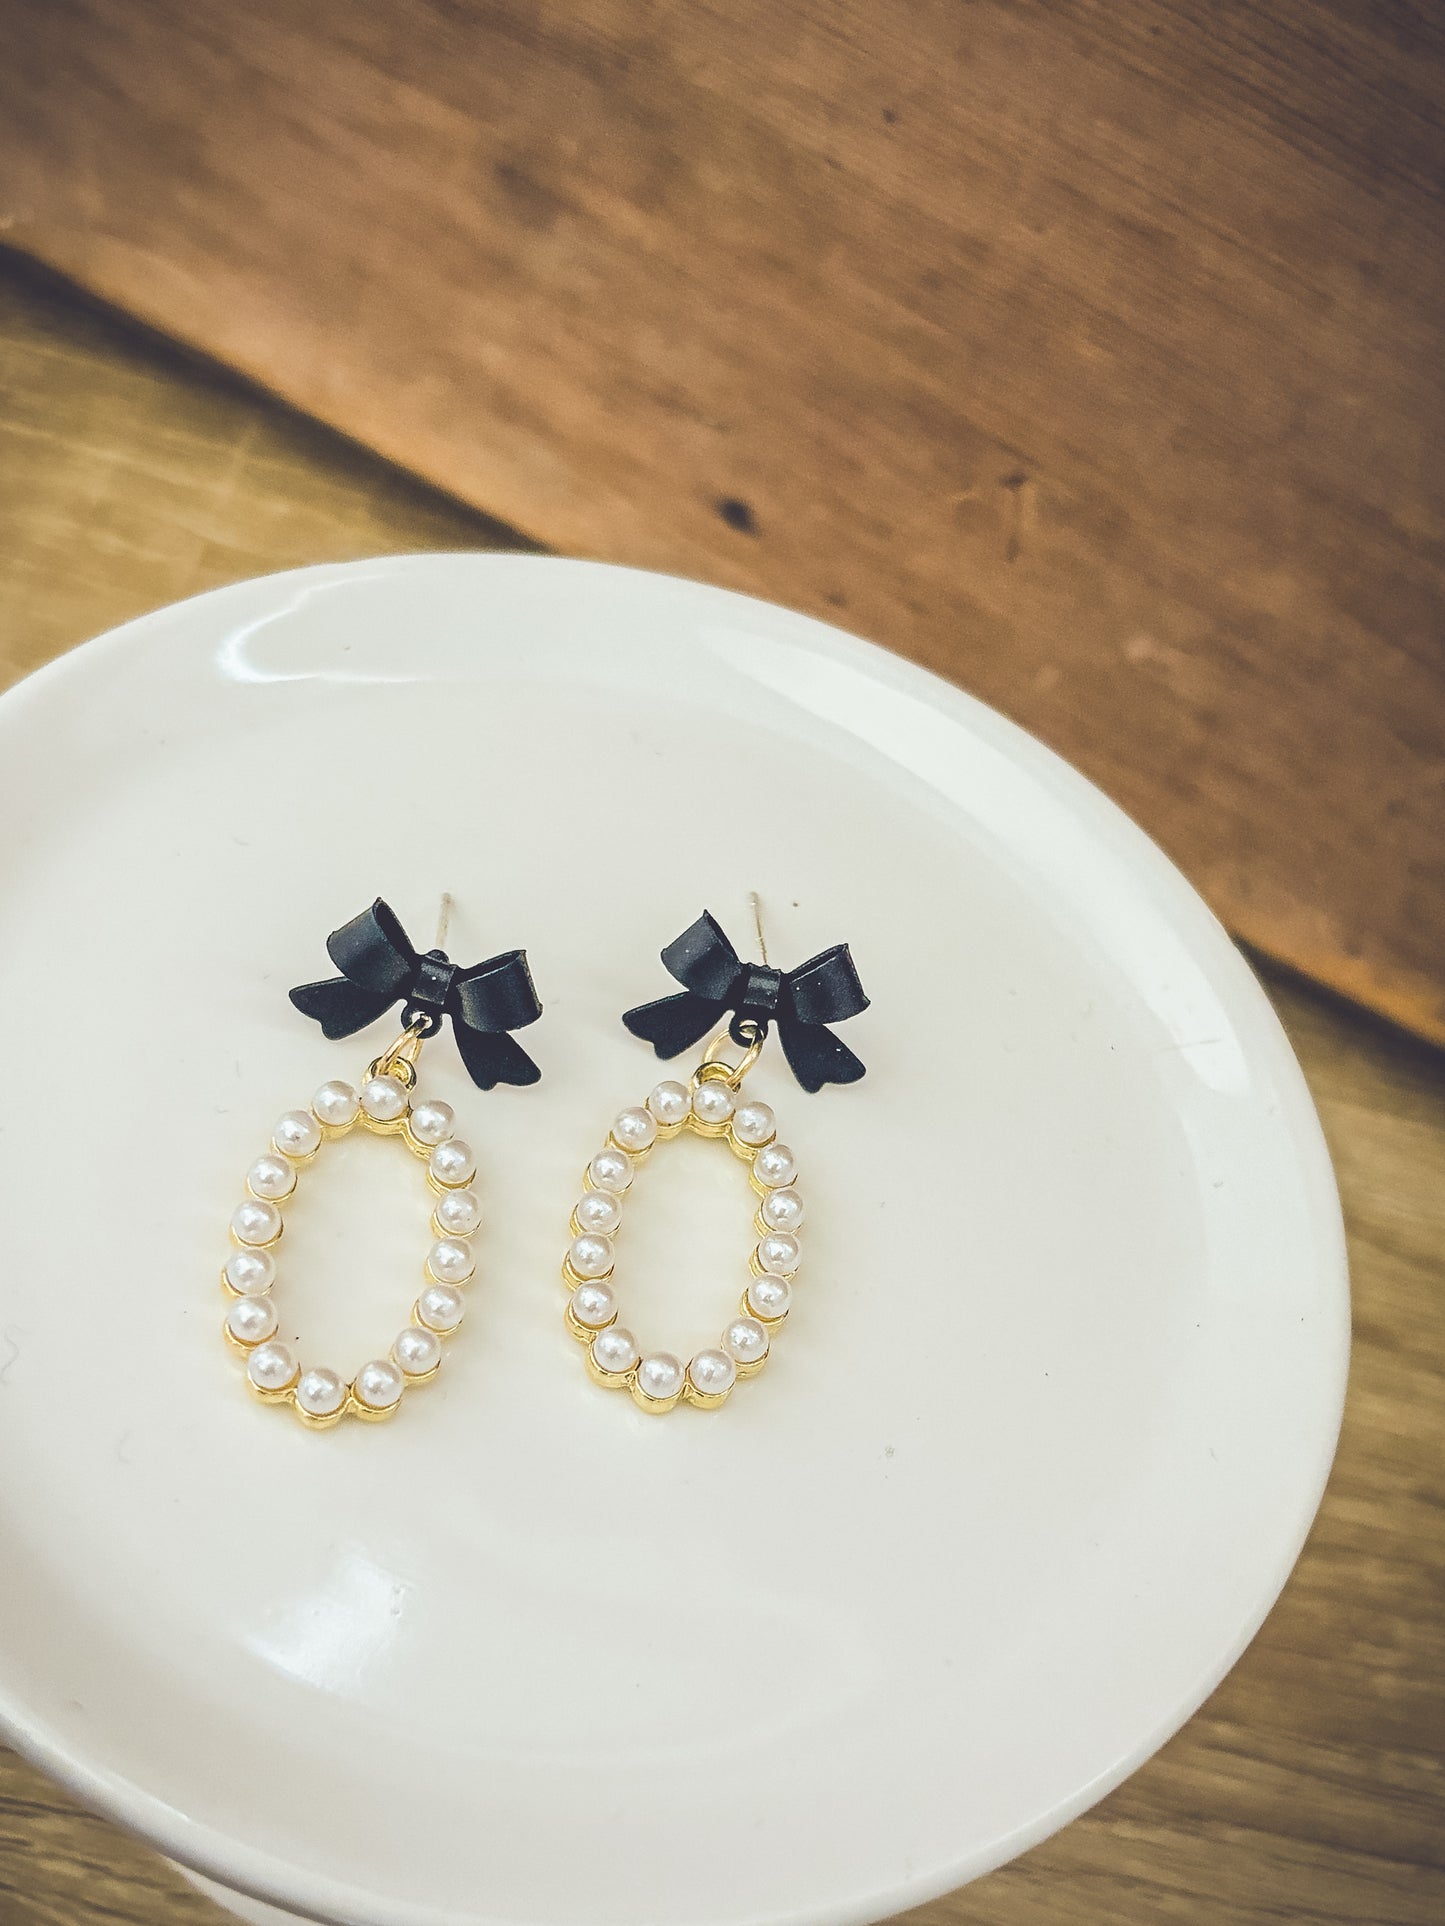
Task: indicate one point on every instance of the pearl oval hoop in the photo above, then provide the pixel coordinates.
(710, 1106)
(384, 1105)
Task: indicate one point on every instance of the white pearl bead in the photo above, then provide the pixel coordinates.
(432, 1122)
(441, 1308)
(754, 1123)
(320, 1392)
(779, 1251)
(769, 1296)
(250, 1320)
(775, 1164)
(745, 1340)
(417, 1350)
(712, 1372)
(297, 1134)
(452, 1163)
(450, 1260)
(250, 1271)
(610, 1170)
(384, 1099)
(598, 1210)
(458, 1212)
(271, 1367)
(336, 1103)
(256, 1222)
(594, 1305)
(271, 1176)
(670, 1102)
(712, 1101)
(634, 1128)
(614, 1350)
(659, 1375)
(378, 1384)
(782, 1210)
(590, 1255)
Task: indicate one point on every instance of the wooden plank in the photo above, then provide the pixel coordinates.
(1310, 1788)
(1088, 354)
(61, 1866)
(129, 478)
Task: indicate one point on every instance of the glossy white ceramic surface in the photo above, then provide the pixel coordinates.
(1035, 1451)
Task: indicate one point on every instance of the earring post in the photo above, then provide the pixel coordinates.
(444, 917)
(756, 906)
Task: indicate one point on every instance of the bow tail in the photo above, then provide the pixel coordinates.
(493, 1057)
(815, 1055)
(340, 1006)
(674, 1022)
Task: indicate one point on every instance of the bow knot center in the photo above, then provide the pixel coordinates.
(432, 984)
(762, 988)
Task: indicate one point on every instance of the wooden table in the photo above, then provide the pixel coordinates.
(1310, 1787)
(1088, 354)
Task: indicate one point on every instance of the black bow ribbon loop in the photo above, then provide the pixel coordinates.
(379, 967)
(801, 1002)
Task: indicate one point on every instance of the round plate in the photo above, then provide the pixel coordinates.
(1037, 1446)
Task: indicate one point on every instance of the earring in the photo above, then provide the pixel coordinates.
(716, 984)
(378, 968)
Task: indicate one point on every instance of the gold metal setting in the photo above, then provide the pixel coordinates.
(399, 1058)
(656, 1406)
(438, 1185)
(573, 1278)
(714, 1067)
(584, 1333)
(399, 1062)
(712, 1064)
(704, 1400)
(609, 1380)
(745, 1309)
(354, 1407)
(312, 1420)
(251, 1191)
(282, 1396)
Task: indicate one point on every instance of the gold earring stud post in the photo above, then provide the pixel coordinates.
(755, 904)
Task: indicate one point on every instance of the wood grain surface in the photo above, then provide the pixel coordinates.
(1090, 354)
(1311, 1787)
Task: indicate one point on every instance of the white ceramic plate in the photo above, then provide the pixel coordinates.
(1037, 1447)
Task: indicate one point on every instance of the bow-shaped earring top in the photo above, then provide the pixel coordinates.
(800, 1002)
(380, 967)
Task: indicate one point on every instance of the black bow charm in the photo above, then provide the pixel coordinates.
(379, 967)
(801, 1002)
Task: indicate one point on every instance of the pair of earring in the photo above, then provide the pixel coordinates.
(380, 968)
